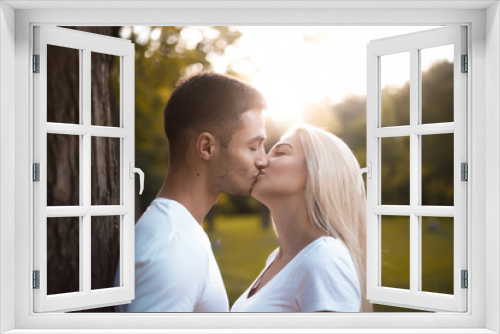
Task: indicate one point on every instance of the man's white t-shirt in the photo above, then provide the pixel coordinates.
(175, 268)
(321, 277)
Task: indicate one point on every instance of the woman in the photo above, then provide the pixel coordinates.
(309, 186)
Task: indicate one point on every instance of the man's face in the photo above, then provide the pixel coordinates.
(237, 166)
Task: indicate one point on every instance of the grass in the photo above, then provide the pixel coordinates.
(241, 247)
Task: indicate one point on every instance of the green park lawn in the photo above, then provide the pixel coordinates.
(241, 247)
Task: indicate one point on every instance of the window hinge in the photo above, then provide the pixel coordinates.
(36, 279)
(464, 172)
(36, 172)
(465, 279)
(465, 64)
(36, 63)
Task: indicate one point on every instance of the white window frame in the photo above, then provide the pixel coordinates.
(413, 44)
(483, 21)
(85, 43)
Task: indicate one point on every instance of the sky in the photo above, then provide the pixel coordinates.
(293, 65)
(296, 65)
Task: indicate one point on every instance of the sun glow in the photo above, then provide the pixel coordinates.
(299, 66)
(284, 99)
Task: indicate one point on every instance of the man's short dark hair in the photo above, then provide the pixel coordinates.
(207, 102)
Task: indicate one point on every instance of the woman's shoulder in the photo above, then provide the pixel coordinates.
(326, 251)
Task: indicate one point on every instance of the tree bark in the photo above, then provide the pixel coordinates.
(63, 171)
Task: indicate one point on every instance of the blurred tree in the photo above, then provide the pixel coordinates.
(351, 115)
(395, 105)
(437, 150)
(320, 114)
(437, 93)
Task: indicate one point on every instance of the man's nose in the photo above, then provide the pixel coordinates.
(262, 161)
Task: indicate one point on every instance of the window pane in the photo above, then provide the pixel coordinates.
(63, 170)
(437, 84)
(105, 171)
(63, 85)
(63, 255)
(395, 89)
(105, 232)
(105, 89)
(395, 257)
(437, 254)
(395, 171)
(437, 169)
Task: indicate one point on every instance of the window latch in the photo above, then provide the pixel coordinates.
(138, 171)
(368, 171)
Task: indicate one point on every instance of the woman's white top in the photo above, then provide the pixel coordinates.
(321, 277)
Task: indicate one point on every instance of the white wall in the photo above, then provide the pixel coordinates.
(7, 162)
(493, 163)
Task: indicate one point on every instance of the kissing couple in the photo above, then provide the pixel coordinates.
(215, 129)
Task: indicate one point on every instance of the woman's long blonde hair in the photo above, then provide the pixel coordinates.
(333, 201)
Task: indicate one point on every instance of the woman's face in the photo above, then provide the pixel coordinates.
(286, 172)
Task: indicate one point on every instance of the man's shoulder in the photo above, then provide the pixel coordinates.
(162, 233)
(166, 243)
(171, 250)
(161, 211)
(162, 219)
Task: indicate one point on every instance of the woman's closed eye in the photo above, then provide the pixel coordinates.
(281, 149)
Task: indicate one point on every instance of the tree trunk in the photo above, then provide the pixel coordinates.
(63, 171)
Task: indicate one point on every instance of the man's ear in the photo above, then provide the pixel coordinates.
(205, 145)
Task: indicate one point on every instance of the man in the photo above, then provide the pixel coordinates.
(215, 127)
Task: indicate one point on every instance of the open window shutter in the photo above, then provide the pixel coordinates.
(91, 157)
(415, 215)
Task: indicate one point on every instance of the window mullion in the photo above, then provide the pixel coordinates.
(108, 210)
(85, 165)
(414, 171)
(420, 129)
(81, 178)
(110, 132)
(406, 210)
(85, 251)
